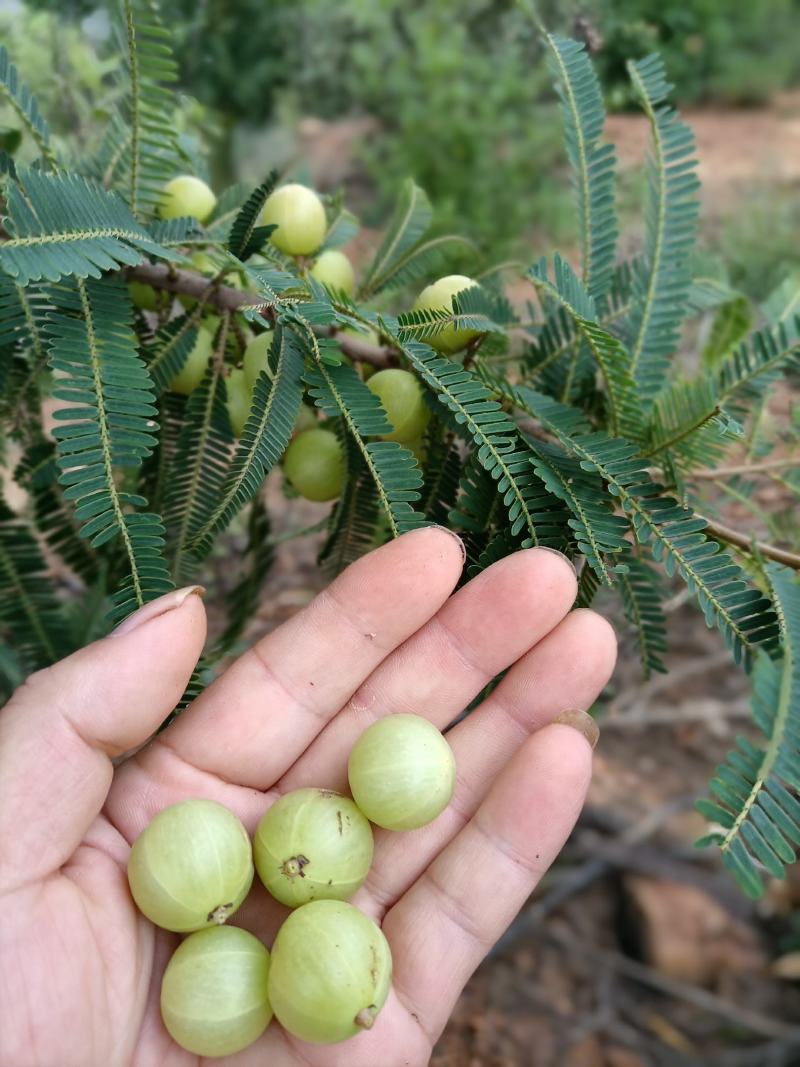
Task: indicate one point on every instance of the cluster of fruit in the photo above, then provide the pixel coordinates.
(314, 463)
(329, 971)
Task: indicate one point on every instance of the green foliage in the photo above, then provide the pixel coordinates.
(65, 226)
(592, 164)
(25, 106)
(754, 791)
(266, 433)
(732, 53)
(570, 423)
(28, 607)
(661, 285)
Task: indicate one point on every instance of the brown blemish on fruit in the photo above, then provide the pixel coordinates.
(339, 821)
(373, 971)
(327, 793)
(294, 866)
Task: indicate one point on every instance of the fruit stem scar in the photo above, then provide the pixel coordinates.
(294, 866)
(366, 1017)
(220, 913)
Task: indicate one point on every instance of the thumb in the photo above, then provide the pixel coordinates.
(65, 724)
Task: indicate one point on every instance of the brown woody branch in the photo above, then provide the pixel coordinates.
(733, 537)
(226, 298)
(746, 468)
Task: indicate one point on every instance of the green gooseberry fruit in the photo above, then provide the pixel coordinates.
(402, 399)
(191, 867)
(256, 357)
(186, 196)
(312, 844)
(314, 464)
(330, 974)
(143, 296)
(214, 998)
(439, 297)
(306, 419)
(335, 271)
(238, 400)
(299, 215)
(401, 772)
(196, 363)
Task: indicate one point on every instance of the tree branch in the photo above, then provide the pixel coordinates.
(733, 537)
(746, 468)
(226, 298)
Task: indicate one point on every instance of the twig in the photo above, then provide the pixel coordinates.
(226, 298)
(733, 537)
(683, 673)
(707, 711)
(781, 1053)
(745, 468)
(702, 999)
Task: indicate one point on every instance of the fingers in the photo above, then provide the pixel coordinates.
(480, 631)
(60, 730)
(568, 669)
(253, 723)
(445, 924)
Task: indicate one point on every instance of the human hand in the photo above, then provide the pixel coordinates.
(82, 968)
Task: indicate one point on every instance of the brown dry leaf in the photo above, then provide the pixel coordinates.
(688, 935)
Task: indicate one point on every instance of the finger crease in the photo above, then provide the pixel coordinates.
(464, 651)
(301, 701)
(454, 911)
(504, 847)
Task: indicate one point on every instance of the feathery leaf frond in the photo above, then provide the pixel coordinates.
(55, 517)
(688, 422)
(613, 360)
(442, 468)
(62, 224)
(534, 514)
(247, 237)
(743, 614)
(276, 402)
(199, 468)
(411, 220)
(243, 600)
(152, 157)
(355, 518)
(21, 99)
(592, 163)
(108, 426)
(339, 391)
(597, 530)
(661, 288)
(28, 606)
(642, 592)
(755, 791)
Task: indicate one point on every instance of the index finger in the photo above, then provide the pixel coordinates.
(252, 724)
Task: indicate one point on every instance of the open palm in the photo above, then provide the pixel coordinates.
(82, 968)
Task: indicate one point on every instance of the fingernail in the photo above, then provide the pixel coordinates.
(555, 551)
(165, 603)
(454, 535)
(582, 722)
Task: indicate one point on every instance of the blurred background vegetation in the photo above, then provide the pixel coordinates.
(454, 92)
